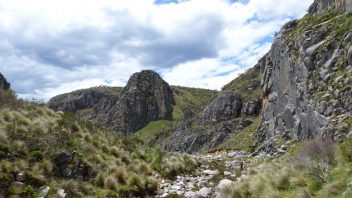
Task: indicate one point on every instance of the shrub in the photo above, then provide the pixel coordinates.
(71, 187)
(346, 150)
(110, 183)
(115, 151)
(100, 180)
(120, 175)
(317, 157)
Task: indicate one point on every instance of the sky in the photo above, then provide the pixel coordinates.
(49, 47)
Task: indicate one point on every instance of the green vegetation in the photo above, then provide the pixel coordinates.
(241, 84)
(32, 136)
(190, 98)
(317, 169)
(244, 140)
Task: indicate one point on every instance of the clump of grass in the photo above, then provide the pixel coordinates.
(100, 180)
(36, 176)
(134, 181)
(178, 164)
(114, 150)
(120, 174)
(71, 187)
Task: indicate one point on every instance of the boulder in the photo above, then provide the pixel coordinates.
(205, 192)
(227, 105)
(223, 184)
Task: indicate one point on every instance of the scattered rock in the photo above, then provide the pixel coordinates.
(211, 172)
(191, 194)
(205, 192)
(224, 183)
(61, 193)
(43, 191)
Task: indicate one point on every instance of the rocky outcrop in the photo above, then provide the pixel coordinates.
(83, 99)
(322, 6)
(225, 106)
(306, 80)
(3, 83)
(252, 108)
(147, 97)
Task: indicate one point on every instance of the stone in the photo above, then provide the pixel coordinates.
(224, 183)
(205, 192)
(225, 106)
(226, 173)
(235, 165)
(349, 55)
(164, 195)
(43, 191)
(237, 154)
(191, 194)
(21, 176)
(211, 172)
(61, 193)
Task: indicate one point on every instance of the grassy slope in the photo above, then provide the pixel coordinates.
(31, 136)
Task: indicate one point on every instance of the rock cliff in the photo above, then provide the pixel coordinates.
(306, 76)
(3, 83)
(322, 6)
(84, 99)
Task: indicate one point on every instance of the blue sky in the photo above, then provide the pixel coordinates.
(51, 47)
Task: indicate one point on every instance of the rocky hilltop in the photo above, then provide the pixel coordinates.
(83, 100)
(145, 98)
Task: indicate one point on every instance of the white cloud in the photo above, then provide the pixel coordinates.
(51, 46)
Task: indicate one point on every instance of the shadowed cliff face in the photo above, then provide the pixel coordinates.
(3, 83)
(322, 6)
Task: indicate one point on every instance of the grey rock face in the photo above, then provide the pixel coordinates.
(146, 97)
(252, 108)
(196, 136)
(322, 6)
(305, 85)
(226, 106)
(81, 99)
(3, 83)
(349, 55)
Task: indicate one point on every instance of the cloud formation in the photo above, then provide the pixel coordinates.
(50, 47)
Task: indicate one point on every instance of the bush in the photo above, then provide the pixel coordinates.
(317, 157)
(346, 150)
